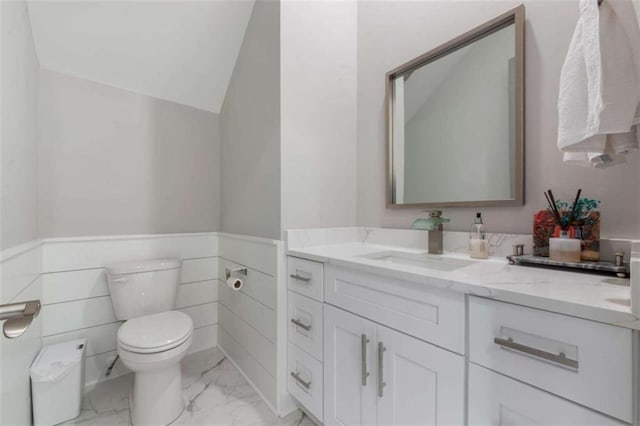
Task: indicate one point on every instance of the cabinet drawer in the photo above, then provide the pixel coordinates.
(305, 277)
(500, 401)
(430, 314)
(305, 324)
(584, 361)
(305, 380)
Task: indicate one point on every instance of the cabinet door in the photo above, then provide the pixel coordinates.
(349, 355)
(497, 400)
(419, 384)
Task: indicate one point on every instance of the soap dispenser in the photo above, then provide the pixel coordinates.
(478, 244)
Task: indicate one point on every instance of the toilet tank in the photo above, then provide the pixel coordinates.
(143, 287)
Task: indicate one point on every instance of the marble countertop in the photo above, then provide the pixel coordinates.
(596, 297)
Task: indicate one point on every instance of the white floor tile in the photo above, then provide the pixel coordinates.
(215, 394)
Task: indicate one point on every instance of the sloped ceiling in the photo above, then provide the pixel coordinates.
(180, 51)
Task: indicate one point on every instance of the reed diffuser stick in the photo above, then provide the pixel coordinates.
(575, 206)
(554, 208)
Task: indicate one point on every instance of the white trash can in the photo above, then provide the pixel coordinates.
(57, 382)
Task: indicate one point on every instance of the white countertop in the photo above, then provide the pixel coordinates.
(596, 297)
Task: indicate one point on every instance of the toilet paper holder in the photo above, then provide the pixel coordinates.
(228, 271)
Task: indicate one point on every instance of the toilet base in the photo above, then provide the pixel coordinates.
(157, 397)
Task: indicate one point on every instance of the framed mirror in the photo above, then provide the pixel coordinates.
(455, 121)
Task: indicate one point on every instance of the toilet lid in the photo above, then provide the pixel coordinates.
(155, 333)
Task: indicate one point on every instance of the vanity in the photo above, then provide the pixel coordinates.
(387, 335)
(382, 333)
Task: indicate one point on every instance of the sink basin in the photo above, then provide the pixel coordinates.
(427, 261)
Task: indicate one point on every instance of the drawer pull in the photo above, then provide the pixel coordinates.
(301, 324)
(381, 382)
(300, 278)
(364, 340)
(559, 358)
(304, 383)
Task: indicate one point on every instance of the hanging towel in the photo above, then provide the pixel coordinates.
(599, 98)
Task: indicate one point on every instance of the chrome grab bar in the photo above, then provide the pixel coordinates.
(559, 358)
(301, 324)
(300, 380)
(300, 278)
(18, 316)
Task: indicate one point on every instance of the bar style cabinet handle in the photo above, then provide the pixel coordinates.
(364, 340)
(381, 383)
(301, 324)
(300, 278)
(304, 383)
(559, 358)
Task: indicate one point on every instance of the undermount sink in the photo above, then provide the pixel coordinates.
(435, 262)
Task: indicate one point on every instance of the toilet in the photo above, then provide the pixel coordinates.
(154, 337)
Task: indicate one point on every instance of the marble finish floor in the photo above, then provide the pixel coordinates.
(215, 391)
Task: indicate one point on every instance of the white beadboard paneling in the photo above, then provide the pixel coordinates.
(262, 350)
(74, 285)
(204, 338)
(257, 315)
(96, 367)
(32, 291)
(65, 254)
(199, 269)
(261, 379)
(202, 315)
(100, 339)
(197, 293)
(260, 286)
(75, 315)
(20, 266)
(258, 253)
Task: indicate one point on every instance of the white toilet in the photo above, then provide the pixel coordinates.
(154, 337)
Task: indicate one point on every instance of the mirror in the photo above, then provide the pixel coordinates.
(455, 121)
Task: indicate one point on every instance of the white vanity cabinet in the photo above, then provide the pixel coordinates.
(371, 349)
(583, 361)
(305, 322)
(376, 375)
(497, 400)
(350, 369)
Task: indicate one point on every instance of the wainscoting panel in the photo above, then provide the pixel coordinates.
(68, 254)
(248, 319)
(76, 301)
(257, 253)
(20, 266)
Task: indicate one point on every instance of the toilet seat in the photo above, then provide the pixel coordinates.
(155, 333)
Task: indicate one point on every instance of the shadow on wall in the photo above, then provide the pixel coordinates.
(114, 162)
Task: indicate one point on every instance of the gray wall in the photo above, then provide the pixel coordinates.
(319, 134)
(392, 32)
(19, 144)
(114, 162)
(250, 130)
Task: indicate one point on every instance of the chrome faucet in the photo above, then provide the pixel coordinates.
(433, 224)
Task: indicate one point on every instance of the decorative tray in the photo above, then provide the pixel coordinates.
(621, 271)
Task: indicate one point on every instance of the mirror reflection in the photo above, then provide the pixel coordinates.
(454, 128)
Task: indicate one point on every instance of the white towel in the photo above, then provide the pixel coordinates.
(599, 99)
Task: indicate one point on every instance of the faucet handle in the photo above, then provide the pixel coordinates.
(435, 213)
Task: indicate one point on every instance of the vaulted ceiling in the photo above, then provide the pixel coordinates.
(180, 51)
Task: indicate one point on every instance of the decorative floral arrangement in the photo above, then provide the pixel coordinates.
(580, 220)
(585, 212)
